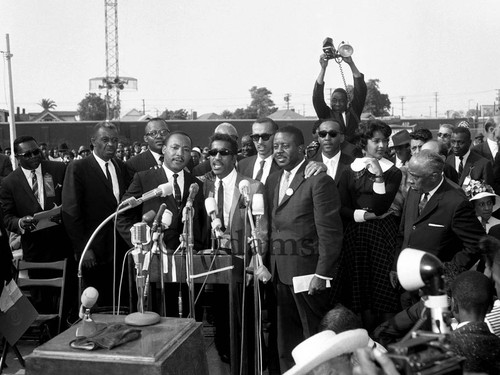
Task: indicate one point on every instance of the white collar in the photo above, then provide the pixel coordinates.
(360, 163)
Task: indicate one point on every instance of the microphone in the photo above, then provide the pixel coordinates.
(193, 190)
(211, 208)
(244, 188)
(159, 215)
(258, 204)
(166, 219)
(88, 299)
(148, 217)
(161, 191)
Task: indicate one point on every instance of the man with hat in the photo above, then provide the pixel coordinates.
(401, 143)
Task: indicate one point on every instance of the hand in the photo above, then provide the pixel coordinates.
(89, 260)
(367, 360)
(348, 60)
(323, 61)
(376, 169)
(27, 223)
(56, 219)
(317, 285)
(313, 168)
(393, 276)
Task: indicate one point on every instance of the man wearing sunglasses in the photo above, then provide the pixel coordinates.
(444, 136)
(345, 112)
(330, 137)
(260, 166)
(155, 133)
(34, 187)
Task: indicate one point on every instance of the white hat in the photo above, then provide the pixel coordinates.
(485, 194)
(196, 149)
(324, 346)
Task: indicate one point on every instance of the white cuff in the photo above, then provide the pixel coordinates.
(379, 187)
(323, 277)
(359, 216)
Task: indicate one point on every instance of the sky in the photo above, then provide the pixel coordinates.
(204, 56)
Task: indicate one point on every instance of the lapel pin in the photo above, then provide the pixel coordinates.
(289, 192)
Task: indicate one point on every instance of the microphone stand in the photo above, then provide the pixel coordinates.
(158, 250)
(188, 241)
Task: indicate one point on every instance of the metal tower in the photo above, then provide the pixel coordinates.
(112, 69)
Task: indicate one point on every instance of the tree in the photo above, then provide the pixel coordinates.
(92, 108)
(179, 114)
(47, 104)
(261, 104)
(473, 113)
(377, 104)
(227, 114)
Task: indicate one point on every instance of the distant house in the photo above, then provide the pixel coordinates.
(209, 116)
(286, 114)
(135, 115)
(49, 115)
(4, 115)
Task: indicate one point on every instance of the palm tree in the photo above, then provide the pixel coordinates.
(47, 104)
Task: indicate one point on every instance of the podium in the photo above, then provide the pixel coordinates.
(173, 346)
(201, 264)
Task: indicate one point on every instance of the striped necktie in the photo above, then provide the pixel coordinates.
(261, 170)
(177, 192)
(34, 185)
(461, 166)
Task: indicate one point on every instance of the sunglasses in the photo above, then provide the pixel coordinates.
(221, 151)
(264, 136)
(30, 154)
(331, 133)
(155, 133)
(443, 135)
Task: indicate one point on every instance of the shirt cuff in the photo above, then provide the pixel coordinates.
(323, 277)
(359, 216)
(379, 187)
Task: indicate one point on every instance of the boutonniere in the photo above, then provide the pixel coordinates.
(289, 192)
(58, 186)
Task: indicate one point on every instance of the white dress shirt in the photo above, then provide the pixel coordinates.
(39, 177)
(112, 172)
(229, 184)
(332, 164)
(170, 178)
(267, 168)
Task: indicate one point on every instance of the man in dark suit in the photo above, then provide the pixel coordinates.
(331, 137)
(444, 136)
(437, 216)
(488, 149)
(344, 112)
(307, 245)
(155, 133)
(92, 189)
(469, 165)
(260, 166)
(5, 166)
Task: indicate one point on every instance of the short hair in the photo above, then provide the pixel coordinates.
(366, 130)
(434, 162)
(447, 126)
(224, 138)
(473, 291)
(103, 125)
(267, 120)
(341, 90)
(21, 139)
(340, 319)
(462, 130)
(422, 134)
(178, 132)
(488, 125)
(157, 119)
(296, 132)
(320, 121)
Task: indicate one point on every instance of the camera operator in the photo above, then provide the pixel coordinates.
(345, 112)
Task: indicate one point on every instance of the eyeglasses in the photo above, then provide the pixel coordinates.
(30, 154)
(221, 151)
(155, 133)
(331, 133)
(443, 135)
(265, 137)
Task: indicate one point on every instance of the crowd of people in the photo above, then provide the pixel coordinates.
(337, 214)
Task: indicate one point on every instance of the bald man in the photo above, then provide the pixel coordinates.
(441, 149)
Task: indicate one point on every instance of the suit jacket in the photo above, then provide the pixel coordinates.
(478, 345)
(237, 217)
(245, 166)
(447, 226)
(148, 180)
(17, 200)
(5, 166)
(477, 167)
(6, 266)
(87, 201)
(140, 162)
(483, 149)
(353, 113)
(344, 163)
(306, 229)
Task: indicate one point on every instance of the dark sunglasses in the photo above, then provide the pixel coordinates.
(30, 154)
(264, 136)
(221, 151)
(331, 133)
(443, 135)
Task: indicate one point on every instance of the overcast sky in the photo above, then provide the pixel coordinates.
(206, 55)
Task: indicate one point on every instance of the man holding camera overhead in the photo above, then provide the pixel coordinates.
(345, 112)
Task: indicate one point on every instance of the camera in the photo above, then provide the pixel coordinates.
(343, 50)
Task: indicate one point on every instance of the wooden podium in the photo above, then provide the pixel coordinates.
(173, 346)
(202, 264)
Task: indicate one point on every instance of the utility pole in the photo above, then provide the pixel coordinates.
(143, 107)
(402, 106)
(436, 103)
(12, 114)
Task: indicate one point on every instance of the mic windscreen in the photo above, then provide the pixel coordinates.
(210, 205)
(148, 217)
(138, 233)
(89, 297)
(244, 186)
(258, 204)
(193, 189)
(408, 268)
(166, 219)
(166, 189)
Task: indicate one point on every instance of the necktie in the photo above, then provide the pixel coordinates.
(261, 170)
(220, 205)
(34, 185)
(460, 166)
(329, 166)
(108, 175)
(284, 185)
(484, 222)
(177, 192)
(160, 160)
(422, 203)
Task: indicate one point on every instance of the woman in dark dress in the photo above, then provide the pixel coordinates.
(367, 190)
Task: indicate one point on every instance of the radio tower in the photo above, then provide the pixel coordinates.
(113, 84)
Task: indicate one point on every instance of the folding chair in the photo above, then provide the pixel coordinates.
(41, 324)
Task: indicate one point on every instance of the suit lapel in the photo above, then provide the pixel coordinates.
(431, 204)
(469, 165)
(236, 197)
(293, 186)
(96, 168)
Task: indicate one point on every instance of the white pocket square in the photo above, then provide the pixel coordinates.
(436, 225)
